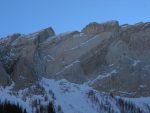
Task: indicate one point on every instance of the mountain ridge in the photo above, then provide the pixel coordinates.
(105, 66)
(97, 46)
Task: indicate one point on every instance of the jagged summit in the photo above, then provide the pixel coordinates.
(91, 28)
(94, 27)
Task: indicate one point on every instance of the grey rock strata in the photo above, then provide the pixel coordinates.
(109, 57)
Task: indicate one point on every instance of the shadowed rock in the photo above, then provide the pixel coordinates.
(4, 77)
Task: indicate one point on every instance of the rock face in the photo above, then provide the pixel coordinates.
(4, 76)
(108, 56)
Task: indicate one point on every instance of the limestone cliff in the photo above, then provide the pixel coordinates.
(107, 56)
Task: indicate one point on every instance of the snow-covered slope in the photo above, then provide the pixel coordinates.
(70, 98)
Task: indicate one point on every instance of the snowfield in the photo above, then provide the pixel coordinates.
(70, 98)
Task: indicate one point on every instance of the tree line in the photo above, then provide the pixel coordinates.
(7, 107)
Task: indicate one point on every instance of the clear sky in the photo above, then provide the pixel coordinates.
(26, 16)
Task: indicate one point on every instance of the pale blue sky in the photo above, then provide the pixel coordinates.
(26, 16)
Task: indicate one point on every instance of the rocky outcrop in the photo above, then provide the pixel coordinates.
(95, 28)
(107, 56)
(18, 53)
